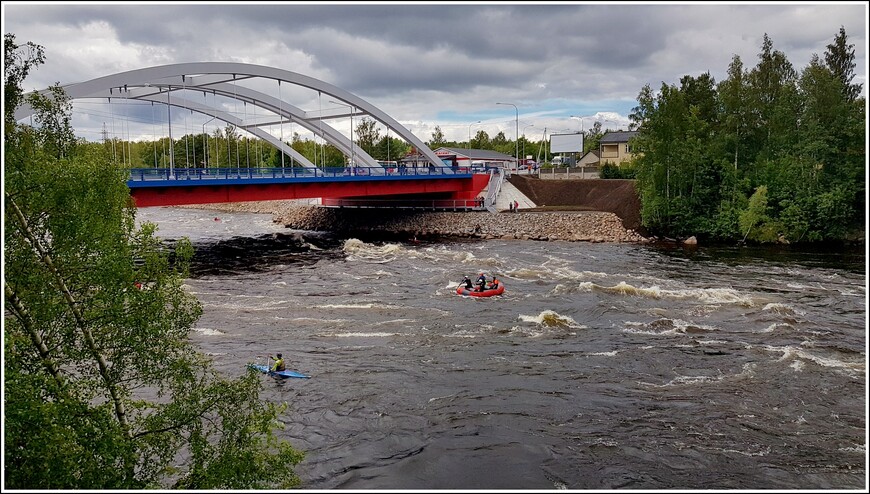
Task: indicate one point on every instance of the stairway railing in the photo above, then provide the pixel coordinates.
(496, 177)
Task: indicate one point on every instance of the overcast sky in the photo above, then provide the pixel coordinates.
(428, 64)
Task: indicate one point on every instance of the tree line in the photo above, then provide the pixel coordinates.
(768, 154)
(228, 148)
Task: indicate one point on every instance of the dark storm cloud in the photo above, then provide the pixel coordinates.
(509, 33)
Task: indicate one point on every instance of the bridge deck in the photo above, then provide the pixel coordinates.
(166, 177)
(171, 187)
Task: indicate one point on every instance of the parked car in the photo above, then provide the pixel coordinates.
(528, 165)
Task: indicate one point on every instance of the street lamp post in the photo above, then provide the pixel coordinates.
(581, 121)
(352, 164)
(582, 145)
(518, 130)
(524, 139)
(468, 145)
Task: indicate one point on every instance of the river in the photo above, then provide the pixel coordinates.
(603, 366)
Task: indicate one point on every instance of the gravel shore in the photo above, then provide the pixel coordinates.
(572, 226)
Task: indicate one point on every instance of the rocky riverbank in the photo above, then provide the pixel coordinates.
(572, 226)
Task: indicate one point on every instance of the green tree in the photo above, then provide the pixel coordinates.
(610, 171)
(771, 96)
(481, 140)
(840, 59)
(754, 219)
(592, 139)
(662, 162)
(103, 389)
(733, 93)
(710, 156)
(391, 149)
(700, 92)
(437, 138)
(306, 148)
(332, 157)
(231, 140)
(367, 135)
(501, 144)
(849, 147)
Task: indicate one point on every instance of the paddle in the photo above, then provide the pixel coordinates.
(266, 364)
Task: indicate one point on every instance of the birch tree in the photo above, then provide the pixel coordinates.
(102, 388)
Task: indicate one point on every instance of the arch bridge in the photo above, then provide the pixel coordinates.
(180, 86)
(174, 84)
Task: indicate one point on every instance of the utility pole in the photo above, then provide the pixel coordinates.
(543, 143)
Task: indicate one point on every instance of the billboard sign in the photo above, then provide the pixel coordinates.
(566, 143)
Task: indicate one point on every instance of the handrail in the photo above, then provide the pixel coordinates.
(159, 174)
(493, 189)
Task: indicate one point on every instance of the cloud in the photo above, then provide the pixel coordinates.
(443, 64)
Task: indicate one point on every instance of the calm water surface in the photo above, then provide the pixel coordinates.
(603, 366)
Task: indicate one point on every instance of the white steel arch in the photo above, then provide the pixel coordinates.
(284, 109)
(151, 84)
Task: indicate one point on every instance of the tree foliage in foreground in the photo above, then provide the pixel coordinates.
(103, 389)
(796, 139)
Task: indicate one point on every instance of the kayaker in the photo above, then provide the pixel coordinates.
(279, 363)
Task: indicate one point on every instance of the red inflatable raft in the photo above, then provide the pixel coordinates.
(461, 290)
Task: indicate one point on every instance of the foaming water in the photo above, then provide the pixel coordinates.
(551, 319)
(850, 366)
(701, 295)
(784, 309)
(358, 250)
(601, 367)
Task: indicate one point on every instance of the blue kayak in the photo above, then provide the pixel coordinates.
(285, 373)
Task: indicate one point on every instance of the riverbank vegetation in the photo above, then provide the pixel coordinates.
(769, 154)
(102, 387)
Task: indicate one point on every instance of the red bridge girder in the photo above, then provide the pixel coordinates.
(207, 194)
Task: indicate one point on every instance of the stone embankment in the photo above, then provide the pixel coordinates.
(573, 226)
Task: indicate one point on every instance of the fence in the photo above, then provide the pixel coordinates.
(569, 173)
